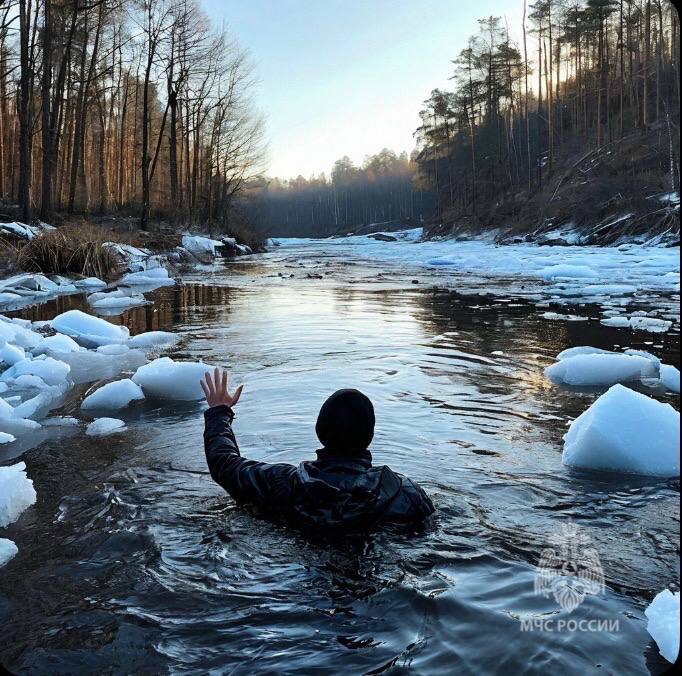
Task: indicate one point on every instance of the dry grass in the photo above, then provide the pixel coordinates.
(70, 250)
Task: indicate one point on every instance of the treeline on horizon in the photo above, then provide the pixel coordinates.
(585, 74)
(382, 189)
(140, 108)
(602, 69)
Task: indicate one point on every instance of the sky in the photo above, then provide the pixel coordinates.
(348, 77)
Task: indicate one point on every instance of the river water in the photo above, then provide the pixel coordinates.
(132, 560)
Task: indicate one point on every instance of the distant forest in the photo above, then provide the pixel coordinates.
(383, 189)
(118, 106)
(518, 117)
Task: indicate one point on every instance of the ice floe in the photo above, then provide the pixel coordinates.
(114, 395)
(10, 354)
(663, 615)
(592, 370)
(52, 371)
(8, 550)
(151, 277)
(101, 427)
(167, 379)
(6, 438)
(87, 330)
(116, 299)
(651, 324)
(16, 493)
(153, 339)
(670, 378)
(625, 431)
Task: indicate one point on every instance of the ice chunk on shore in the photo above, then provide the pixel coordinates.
(89, 283)
(201, 246)
(152, 277)
(58, 343)
(168, 379)
(87, 366)
(52, 371)
(663, 614)
(119, 302)
(670, 378)
(8, 550)
(6, 410)
(625, 431)
(153, 339)
(10, 354)
(592, 370)
(60, 421)
(6, 438)
(87, 330)
(103, 426)
(14, 332)
(40, 405)
(16, 493)
(113, 349)
(114, 395)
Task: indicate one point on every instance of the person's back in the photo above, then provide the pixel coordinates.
(340, 488)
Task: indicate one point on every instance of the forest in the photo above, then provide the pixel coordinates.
(592, 90)
(592, 82)
(138, 108)
(383, 189)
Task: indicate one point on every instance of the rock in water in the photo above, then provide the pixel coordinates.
(168, 379)
(16, 493)
(114, 395)
(591, 370)
(664, 623)
(102, 426)
(625, 431)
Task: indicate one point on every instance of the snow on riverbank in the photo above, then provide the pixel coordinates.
(611, 277)
(145, 271)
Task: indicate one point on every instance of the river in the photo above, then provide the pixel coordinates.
(132, 560)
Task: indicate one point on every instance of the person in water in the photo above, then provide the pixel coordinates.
(340, 488)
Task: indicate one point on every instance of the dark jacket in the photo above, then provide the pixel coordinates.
(332, 491)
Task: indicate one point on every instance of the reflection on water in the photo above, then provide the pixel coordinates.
(134, 561)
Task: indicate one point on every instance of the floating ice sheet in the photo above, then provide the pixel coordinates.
(118, 394)
(625, 431)
(663, 614)
(16, 493)
(168, 379)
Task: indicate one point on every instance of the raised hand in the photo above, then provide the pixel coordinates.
(216, 390)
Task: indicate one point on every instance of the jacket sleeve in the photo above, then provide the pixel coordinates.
(268, 486)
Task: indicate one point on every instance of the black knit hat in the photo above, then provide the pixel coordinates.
(346, 422)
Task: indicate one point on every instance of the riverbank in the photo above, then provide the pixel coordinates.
(39, 261)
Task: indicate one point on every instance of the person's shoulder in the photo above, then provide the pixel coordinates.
(409, 491)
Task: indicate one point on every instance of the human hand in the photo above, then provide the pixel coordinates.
(216, 390)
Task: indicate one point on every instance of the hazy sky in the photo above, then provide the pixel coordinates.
(347, 77)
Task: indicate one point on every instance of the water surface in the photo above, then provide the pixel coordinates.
(133, 560)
